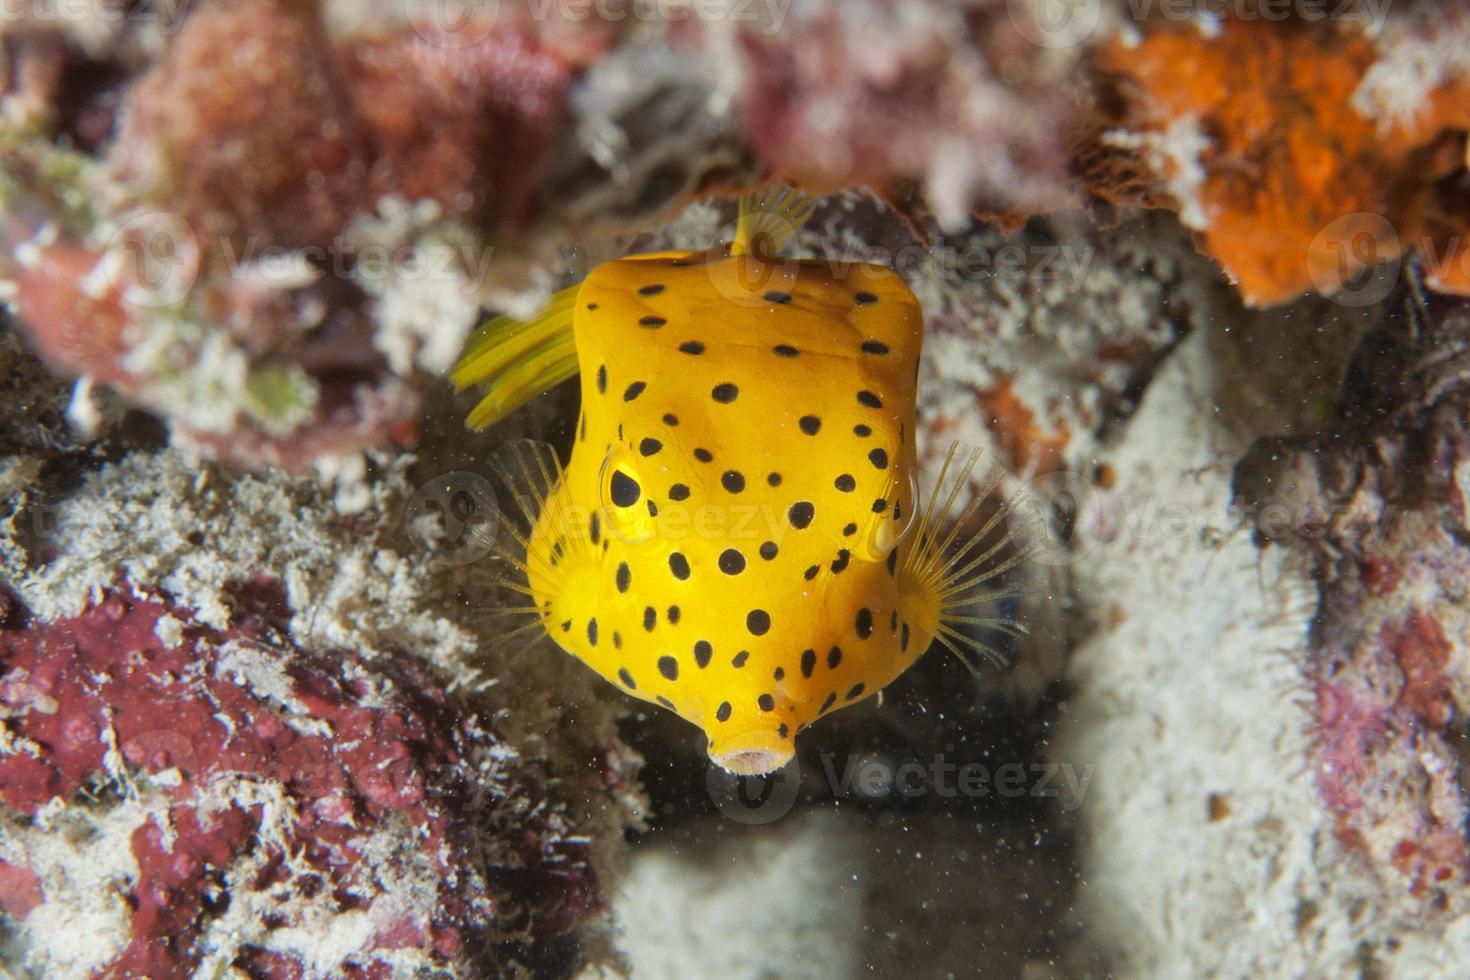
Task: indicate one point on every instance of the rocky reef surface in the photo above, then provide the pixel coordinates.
(1195, 275)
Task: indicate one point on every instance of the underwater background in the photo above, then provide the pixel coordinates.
(1195, 281)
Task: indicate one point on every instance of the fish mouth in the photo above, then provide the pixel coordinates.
(754, 753)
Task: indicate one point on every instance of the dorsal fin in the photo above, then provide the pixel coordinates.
(769, 219)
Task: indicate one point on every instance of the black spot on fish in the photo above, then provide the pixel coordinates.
(827, 703)
(652, 322)
(594, 530)
(840, 562)
(863, 623)
(834, 657)
(592, 631)
(857, 689)
(808, 662)
(868, 399)
(880, 505)
(775, 296)
(624, 577)
(766, 703)
(773, 480)
(679, 491)
(652, 509)
(768, 550)
(633, 391)
(649, 447)
(702, 653)
(903, 637)
(785, 350)
(809, 424)
(724, 393)
(627, 679)
(778, 674)
(848, 530)
(874, 347)
(845, 483)
(722, 713)
(679, 565)
(893, 562)
(733, 481)
(704, 455)
(670, 419)
(811, 572)
(652, 289)
(864, 299)
(665, 702)
(739, 659)
(731, 561)
(861, 431)
(693, 347)
(669, 668)
(800, 514)
(758, 621)
(602, 379)
(650, 618)
(672, 614)
(879, 459)
(782, 731)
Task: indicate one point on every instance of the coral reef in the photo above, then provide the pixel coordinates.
(1349, 148)
(260, 709)
(1385, 486)
(284, 814)
(283, 227)
(324, 676)
(881, 94)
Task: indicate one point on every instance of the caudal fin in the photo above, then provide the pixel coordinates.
(513, 361)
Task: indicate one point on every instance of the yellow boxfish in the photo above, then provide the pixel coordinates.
(736, 535)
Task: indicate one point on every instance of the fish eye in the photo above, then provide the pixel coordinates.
(627, 509)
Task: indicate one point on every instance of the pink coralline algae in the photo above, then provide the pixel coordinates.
(472, 131)
(1389, 654)
(243, 128)
(887, 94)
(362, 787)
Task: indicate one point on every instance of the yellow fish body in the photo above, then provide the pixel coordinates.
(728, 538)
